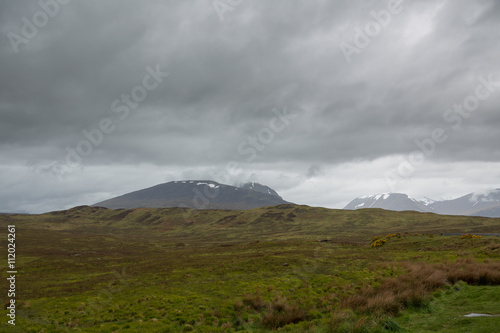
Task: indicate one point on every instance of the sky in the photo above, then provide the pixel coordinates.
(323, 101)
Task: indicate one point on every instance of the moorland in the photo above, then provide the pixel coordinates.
(287, 268)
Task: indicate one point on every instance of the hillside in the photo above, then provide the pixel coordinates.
(274, 222)
(93, 269)
(198, 194)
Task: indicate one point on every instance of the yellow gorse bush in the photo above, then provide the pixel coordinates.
(378, 242)
(469, 236)
(392, 235)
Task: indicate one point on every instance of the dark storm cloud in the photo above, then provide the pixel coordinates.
(225, 78)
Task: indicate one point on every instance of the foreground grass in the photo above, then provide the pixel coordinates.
(85, 270)
(445, 312)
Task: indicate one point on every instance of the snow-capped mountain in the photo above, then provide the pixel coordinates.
(389, 201)
(199, 194)
(473, 204)
(260, 188)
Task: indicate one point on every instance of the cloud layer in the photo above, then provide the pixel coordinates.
(88, 111)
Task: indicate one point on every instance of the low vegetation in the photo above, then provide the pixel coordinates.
(413, 289)
(286, 268)
(469, 236)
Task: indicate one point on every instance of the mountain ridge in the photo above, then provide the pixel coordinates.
(198, 194)
(486, 203)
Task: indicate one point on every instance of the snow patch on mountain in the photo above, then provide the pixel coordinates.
(427, 201)
(211, 185)
(376, 196)
(259, 188)
(485, 196)
(483, 203)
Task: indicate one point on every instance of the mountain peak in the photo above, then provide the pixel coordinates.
(378, 196)
(427, 201)
(390, 201)
(198, 194)
(209, 183)
(483, 203)
(260, 188)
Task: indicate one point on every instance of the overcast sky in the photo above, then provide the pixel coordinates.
(323, 101)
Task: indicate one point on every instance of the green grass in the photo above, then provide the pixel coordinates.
(445, 312)
(287, 268)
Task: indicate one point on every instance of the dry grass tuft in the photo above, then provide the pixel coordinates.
(254, 301)
(472, 272)
(338, 318)
(414, 288)
(280, 313)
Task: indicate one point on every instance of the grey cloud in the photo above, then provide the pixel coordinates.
(225, 79)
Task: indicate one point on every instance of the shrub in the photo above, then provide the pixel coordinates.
(379, 240)
(470, 236)
(378, 243)
(254, 301)
(280, 313)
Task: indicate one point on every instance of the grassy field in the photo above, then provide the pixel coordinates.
(287, 268)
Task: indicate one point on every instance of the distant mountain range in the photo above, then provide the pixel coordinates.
(207, 194)
(473, 204)
(198, 194)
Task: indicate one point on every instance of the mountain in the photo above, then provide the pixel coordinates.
(485, 204)
(389, 201)
(474, 204)
(198, 194)
(260, 188)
